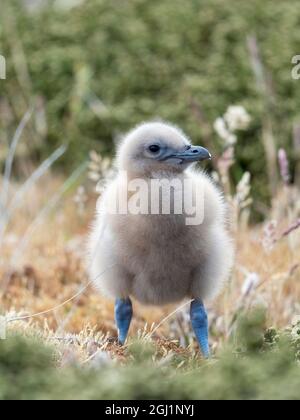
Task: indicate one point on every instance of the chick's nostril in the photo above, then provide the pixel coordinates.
(195, 151)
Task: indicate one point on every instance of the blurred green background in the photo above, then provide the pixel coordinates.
(94, 68)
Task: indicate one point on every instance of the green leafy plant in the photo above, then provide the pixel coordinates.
(95, 70)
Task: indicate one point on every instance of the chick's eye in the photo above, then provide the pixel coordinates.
(154, 148)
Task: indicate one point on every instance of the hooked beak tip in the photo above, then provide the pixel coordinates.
(203, 154)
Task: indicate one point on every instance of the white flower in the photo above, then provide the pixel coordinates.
(244, 187)
(296, 321)
(237, 118)
(100, 169)
(80, 199)
(251, 282)
(223, 132)
(295, 333)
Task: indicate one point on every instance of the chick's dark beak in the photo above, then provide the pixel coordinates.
(193, 154)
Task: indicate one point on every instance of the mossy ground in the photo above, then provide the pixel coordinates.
(256, 367)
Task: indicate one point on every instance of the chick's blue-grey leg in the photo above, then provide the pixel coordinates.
(123, 316)
(199, 322)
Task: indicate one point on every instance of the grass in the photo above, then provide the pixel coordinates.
(78, 338)
(51, 270)
(264, 367)
(60, 331)
(57, 322)
(144, 60)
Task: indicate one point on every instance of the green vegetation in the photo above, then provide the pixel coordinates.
(103, 66)
(90, 73)
(261, 365)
